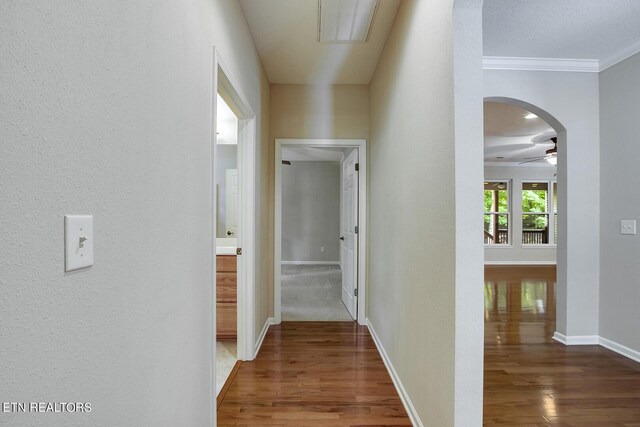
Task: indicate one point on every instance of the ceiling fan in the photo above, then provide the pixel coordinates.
(550, 155)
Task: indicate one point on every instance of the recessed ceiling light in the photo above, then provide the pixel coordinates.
(345, 21)
(530, 116)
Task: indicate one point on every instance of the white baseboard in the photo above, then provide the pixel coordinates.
(406, 401)
(270, 321)
(310, 262)
(620, 349)
(522, 263)
(576, 339)
(598, 340)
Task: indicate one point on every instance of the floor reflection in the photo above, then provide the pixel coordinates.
(519, 305)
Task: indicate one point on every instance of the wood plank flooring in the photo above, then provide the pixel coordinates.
(330, 373)
(531, 380)
(314, 374)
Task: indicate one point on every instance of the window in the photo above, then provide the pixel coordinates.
(555, 213)
(496, 212)
(539, 206)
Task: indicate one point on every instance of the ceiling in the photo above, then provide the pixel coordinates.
(568, 29)
(511, 138)
(286, 35)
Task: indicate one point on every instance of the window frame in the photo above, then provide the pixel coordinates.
(508, 213)
(551, 213)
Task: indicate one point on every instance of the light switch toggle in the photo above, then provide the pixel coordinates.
(78, 230)
(628, 226)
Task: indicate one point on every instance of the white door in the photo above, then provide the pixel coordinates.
(233, 204)
(348, 236)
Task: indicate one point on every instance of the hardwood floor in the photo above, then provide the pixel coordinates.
(314, 374)
(531, 380)
(330, 373)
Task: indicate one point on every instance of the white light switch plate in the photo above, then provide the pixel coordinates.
(78, 241)
(628, 226)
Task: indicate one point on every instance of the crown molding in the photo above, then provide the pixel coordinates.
(620, 55)
(520, 164)
(559, 64)
(540, 64)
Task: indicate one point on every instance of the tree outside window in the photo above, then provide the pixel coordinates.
(496, 213)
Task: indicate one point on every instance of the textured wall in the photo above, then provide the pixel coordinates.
(411, 293)
(619, 182)
(311, 211)
(106, 110)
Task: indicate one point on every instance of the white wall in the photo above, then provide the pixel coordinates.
(106, 110)
(619, 182)
(516, 252)
(412, 293)
(311, 211)
(227, 159)
(571, 99)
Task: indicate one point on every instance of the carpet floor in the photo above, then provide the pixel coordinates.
(312, 293)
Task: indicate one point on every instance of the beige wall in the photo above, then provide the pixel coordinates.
(412, 292)
(319, 111)
(313, 111)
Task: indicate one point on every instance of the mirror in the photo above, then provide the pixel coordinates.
(226, 172)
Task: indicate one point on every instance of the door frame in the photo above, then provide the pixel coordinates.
(361, 145)
(224, 83)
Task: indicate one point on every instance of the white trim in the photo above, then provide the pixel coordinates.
(262, 335)
(561, 64)
(227, 86)
(310, 262)
(620, 349)
(519, 164)
(212, 256)
(404, 396)
(620, 55)
(598, 340)
(540, 64)
(361, 145)
(522, 263)
(576, 339)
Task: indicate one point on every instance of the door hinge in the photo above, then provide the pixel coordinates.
(357, 229)
(357, 167)
(355, 292)
(238, 251)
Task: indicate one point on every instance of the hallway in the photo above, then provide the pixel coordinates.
(532, 380)
(314, 374)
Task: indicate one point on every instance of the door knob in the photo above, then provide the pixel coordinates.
(341, 237)
(229, 233)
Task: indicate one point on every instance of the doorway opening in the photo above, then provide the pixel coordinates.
(227, 228)
(233, 229)
(524, 220)
(320, 230)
